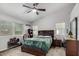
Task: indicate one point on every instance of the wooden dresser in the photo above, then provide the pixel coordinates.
(71, 48)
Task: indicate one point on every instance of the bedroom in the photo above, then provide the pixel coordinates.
(28, 29)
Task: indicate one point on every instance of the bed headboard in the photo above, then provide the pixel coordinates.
(46, 33)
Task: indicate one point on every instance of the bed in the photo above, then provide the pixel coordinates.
(38, 45)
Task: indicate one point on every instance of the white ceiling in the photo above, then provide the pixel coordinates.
(16, 10)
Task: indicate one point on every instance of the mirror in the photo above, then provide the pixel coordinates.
(73, 27)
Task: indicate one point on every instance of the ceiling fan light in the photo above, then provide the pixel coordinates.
(34, 10)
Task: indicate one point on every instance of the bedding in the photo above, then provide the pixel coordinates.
(41, 42)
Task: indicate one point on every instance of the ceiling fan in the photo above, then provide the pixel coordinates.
(34, 8)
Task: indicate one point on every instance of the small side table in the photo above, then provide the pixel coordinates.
(57, 43)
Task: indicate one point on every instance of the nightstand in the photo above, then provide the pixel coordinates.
(57, 43)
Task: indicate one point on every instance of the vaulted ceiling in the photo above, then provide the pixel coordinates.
(16, 10)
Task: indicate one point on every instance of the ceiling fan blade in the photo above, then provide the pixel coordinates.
(41, 9)
(37, 13)
(27, 6)
(29, 11)
(35, 4)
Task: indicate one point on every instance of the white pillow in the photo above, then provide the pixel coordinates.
(45, 36)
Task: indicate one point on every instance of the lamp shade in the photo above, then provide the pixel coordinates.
(70, 33)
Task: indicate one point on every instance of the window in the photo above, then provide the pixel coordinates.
(5, 28)
(8, 28)
(18, 29)
(60, 29)
(35, 31)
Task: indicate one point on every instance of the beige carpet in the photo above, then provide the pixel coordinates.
(17, 52)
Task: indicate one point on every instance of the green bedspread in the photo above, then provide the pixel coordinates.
(43, 43)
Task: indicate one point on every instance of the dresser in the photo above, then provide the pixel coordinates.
(71, 48)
